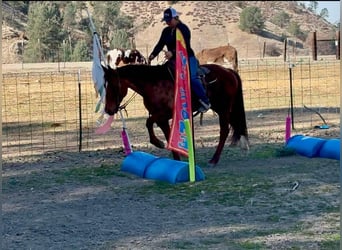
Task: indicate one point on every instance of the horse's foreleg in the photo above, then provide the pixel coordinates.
(153, 139)
(224, 131)
(165, 127)
(176, 156)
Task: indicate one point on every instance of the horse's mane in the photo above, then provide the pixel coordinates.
(144, 72)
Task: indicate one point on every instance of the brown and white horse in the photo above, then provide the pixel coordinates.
(134, 56)
(114, 57)
(118, 57)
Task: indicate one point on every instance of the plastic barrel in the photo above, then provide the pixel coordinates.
(136, 163)
(306, 145)
(172, 171)
(159, 168)
(330, 149)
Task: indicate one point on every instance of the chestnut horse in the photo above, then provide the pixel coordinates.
(219, 55)
(156, 86)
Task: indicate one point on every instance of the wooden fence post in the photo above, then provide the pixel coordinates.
(314, 46)
(285, 43)
(337, 43)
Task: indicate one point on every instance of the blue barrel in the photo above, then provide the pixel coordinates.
(159, 168)
(330, 149)
(306, 145)
(172, 171)
(136, 163)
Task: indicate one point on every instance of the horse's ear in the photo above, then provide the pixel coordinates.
(104, 68)
(107, 68)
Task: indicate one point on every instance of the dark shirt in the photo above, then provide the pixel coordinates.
(168, 39)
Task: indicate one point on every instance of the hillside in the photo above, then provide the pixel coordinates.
(213, 23)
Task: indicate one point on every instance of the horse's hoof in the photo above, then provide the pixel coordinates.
(159, 144)
(211, 164)
(244, 143)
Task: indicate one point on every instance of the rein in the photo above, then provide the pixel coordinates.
(123, 106)
(170, 72)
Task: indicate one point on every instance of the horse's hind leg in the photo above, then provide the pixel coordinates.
(153, 139)
(224, 131)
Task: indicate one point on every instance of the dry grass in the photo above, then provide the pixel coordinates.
(265, 83)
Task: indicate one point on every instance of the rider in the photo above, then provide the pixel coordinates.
(168, 39)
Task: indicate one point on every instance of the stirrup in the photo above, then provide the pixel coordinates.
(204, 106)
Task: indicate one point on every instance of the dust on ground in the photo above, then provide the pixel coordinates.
(256, 200)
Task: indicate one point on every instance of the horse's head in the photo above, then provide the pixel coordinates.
(126, 57)
(138, 57)
(133, 56)
(115, 91)
(120, 56)
(114, 57)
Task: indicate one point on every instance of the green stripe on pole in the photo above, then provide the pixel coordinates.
(188, 132)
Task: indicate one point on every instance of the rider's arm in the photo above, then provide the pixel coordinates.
(159, 46)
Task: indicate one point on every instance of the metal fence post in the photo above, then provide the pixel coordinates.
(291, 95)
(80, 109)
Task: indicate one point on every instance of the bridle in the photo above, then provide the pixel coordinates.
(130, 99)
(123, 106)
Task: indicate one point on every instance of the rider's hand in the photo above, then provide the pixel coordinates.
(168, 55)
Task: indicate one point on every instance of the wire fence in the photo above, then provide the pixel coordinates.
(54, 109)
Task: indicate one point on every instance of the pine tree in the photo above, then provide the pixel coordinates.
(109, 22)
(44, 32)
(281, 19)
(251, 20)
(81, 52)
(69, 25)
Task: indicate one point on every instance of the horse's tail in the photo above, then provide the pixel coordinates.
(238, 116)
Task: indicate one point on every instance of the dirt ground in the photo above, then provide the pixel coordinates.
(267, 198)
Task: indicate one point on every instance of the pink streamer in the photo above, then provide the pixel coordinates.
(106, 126)
(125, 141)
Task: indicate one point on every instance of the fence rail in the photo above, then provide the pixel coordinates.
(54, 110)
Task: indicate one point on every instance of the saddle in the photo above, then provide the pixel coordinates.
(202, 72)
(204, 75)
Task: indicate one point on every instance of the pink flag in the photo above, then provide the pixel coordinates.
(182, 103)
(105, 127)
